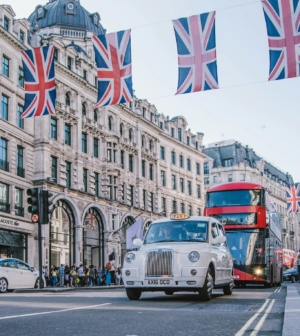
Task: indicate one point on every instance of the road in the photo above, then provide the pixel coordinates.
(249, 311)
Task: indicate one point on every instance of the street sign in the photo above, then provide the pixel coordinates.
(34, 218)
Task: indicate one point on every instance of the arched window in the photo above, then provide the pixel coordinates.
(68, 102)
(143, 141)
(150, 144)
(83, 109)
(95, 116)
(121, 129)
(110, 123)
(130, 134)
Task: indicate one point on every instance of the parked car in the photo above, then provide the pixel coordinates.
(291, 275)
(180, 253)
(15, 274)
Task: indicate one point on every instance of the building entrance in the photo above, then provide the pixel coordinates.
(13, 245)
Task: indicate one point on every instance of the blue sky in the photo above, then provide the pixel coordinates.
(264, 115)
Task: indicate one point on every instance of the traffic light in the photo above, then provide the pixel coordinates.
(46, 206)
(33, 200)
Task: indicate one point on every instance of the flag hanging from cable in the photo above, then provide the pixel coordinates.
(134, 231)
(293, 198)
(39, 76)
(197, 57)
(283, 26)
(114, 69)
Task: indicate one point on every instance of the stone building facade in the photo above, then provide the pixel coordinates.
(231, 161)
(105, 166)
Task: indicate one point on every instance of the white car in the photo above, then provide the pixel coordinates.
(180, 253)
(16, 274)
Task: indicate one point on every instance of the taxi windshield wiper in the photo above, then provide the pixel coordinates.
(168, 240)
(195, 240)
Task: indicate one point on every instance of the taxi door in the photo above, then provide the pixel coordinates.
(26, 277)
(10, 272)
(226, 257)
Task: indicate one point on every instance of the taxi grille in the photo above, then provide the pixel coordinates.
(159, 263)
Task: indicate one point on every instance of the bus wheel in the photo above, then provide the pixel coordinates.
(133, 293)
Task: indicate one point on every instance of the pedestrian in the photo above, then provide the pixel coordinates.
(298, 265)
(95, 275)
(46, 275)
(91, 275)
(67, 276)
(118, 276)
(113, 272)
(61, 272)
(108, 278)
(54, 276)
(73, 275)
(81, 275)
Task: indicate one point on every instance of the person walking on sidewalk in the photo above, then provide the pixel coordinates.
(298, 266)
(61, 272)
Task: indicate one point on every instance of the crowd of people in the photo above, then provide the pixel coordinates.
(83, 275)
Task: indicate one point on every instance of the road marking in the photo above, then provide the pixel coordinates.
(262, 320)
(51, 312)
(249, 322)
(277, 290)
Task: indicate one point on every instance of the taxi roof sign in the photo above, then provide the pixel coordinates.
(179, 216)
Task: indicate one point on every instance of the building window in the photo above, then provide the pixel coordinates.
(181, 184)
(4, 165)
(83, 109)
(206, 180)
(6, 23)
(163, 206)
(151, 145)
(121, 129)
(151, 117)
(181, 161)
(190, 210)
(4, 107)
(188, 164)
(152, 202)
(173, 182)
(20, 121)
(189, 187)
(54, 168)
(110, 123)
(68, 135)
(143, 168)
(97, 184)
(198, 191)
(131, 195)
(68, 174)
(198, 168)
(131, 163)
(144, 112)
(172, 132)
(68, 102)
(162, 153)
(179, 134)
(84, 143)
(161, 125)
(69, 63)
(53, 128)
(122, 158)
(130, 135)
(230, 178)
(21, 36)
(84, 75)
(188, 140)
(227, 162)
(151, 172)
(112, 190)
(95, 116)
(199, 212)
(145, 200)
(19, 210)
(197, 145)
(242, 177)
(20, 161)
(173, 157)
(206, 168)
(96, 148)
(163, 178)
(182, 208)
(174, 207)
(85, 180)
(4, 198)
(21, 77)
(55, 54)
(215, 179)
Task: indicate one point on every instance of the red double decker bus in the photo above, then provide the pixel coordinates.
(253, 229)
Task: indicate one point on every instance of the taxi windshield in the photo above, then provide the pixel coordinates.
(177, 231)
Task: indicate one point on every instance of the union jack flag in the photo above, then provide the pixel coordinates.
(293, 198)
(197, 58)
(40, 93)
(113, 58)
(283, 26)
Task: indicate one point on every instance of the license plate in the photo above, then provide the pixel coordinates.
(236, 277)
(159, 282)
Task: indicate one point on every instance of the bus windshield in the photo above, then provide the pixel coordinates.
(177, 231)
(235, 198)
(246, 246)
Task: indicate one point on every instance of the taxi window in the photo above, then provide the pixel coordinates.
(9, 263)
(23, 266)
(1, 263)
(214, 230)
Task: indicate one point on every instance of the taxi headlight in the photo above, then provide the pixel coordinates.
(129, 258)
(194, 256)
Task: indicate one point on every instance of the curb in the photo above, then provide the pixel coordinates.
(291, 324)
(66, 289)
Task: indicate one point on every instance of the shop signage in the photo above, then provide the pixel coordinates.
(8, 222)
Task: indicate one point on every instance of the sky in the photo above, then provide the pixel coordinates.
(247, 108)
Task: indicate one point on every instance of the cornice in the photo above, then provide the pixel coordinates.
(7, 36)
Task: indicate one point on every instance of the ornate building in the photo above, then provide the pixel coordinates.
(231, 161)
(105, 167)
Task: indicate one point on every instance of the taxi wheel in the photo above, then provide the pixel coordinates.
(3, 285)
(293, 279)
(227, 290)
(167, 292)
(133, 293)
(206, 291)
(37, 283)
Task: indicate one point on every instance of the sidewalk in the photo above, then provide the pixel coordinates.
(291, 323)
(65, 289)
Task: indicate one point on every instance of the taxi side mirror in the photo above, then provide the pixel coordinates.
(137, 242)
(219, 240)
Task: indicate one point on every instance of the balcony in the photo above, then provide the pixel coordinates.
(292, 234)
(284, 231)
(19, 211)
(4, 207)
(4, 165)
(21, 171)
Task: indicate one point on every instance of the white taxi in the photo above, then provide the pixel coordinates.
(180, 253)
